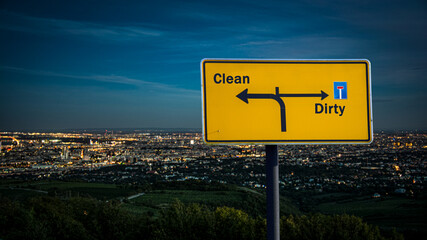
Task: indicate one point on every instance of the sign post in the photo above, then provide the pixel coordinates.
(273, 207)
(270, 102)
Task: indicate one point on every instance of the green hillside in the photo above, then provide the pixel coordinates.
(155, 196)
(152, 200)
(18, 190)
(391, 212)
(243, 199)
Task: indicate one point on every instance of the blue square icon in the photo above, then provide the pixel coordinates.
(340, 90)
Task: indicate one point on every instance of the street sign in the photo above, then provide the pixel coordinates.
(286, 101)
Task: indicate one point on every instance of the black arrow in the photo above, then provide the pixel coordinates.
(322, 95)
(244, 96)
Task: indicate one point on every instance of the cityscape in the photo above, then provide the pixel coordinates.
(393, 163)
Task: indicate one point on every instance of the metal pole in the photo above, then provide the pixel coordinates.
(273, 211)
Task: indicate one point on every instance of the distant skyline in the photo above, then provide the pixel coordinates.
(136, 64)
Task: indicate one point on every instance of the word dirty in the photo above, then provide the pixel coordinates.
(335, 109)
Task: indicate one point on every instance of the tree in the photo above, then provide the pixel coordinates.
(185, 222)
(320, 226)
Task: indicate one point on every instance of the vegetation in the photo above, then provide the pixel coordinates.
(187, 210)
(87, 218)
(100, 191)
(405, 214)
(253, 203)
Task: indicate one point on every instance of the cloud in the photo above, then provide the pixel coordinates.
(22, 23)
(148, 85)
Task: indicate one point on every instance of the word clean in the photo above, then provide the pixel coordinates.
(227, 79)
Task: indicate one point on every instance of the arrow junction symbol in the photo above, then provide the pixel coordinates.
(244, 96)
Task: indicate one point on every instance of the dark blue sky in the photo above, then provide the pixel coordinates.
(125, 64)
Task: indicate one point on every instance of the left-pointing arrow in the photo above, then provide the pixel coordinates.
(244, 95)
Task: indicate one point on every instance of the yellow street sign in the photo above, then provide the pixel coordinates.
(286, 101)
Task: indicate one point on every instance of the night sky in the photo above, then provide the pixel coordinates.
(136, 64)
